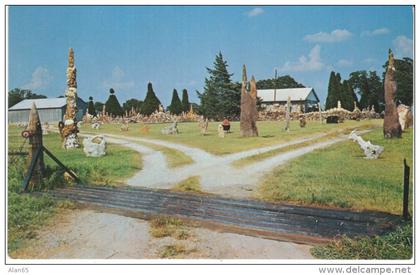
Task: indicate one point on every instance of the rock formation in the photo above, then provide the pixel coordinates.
(170, 130)
(94, 146)
(392, 127)
(287, 116)
(68, 128)
(371, 151)
(405, 116)
(249, 114)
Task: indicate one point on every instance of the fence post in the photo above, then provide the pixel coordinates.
(405, 213)
(34, 133)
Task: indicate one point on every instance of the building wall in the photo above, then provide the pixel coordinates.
(45, 115)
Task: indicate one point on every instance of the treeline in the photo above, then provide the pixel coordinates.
(367, 88)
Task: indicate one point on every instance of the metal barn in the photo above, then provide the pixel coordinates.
(50, 110)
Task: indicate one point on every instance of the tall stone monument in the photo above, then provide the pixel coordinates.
(68, 128)
(249, 114)
(392, 127)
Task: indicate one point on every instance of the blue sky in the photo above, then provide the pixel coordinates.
(126, 47)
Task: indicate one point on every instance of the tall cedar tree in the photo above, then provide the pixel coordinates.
(333, 90)
(185, 101)
(346, 96)
(112, 105)
(221, 97)
(151, 102)
(176, 105)
(404, 77)
(91, 107)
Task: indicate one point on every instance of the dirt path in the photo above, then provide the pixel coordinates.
(89, 234)
(216, 173)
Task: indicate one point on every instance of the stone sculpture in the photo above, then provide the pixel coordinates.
(45, 128)
(68, 128)
(370, 150)
(392, 127)
(94, 146)
(204, 124)
(170, 130)
(220, 131)
(302, 121)
(96, 125)
(405, 116)
(124, 127)
(249, 114)
(287, 116)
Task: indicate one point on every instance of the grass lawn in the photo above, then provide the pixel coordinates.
(339, 176)
(394, 245)
(270, 132)
(26, 213)
(114, 168)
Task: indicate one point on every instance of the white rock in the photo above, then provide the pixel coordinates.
(94, 146)
(371, 151)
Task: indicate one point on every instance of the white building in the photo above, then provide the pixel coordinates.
(299, 97)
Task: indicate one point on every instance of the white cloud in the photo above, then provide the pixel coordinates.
(254, 12)
(335, 36)
(312, 62)
(40, 79)
(375, 32)
(403, 46)
(117, 80)
(344, 63)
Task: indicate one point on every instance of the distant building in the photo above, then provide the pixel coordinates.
(49, 109)
(304, 98)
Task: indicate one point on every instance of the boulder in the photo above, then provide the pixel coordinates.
(94, 146)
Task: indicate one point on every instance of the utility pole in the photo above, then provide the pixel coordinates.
(275, 82)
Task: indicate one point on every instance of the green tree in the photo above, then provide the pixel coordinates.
(404, 77)
(151, 102)
(91, 107)
(99, 107)
(370, 89)
(221, 97)
(185, 101)
(334, 88)
(281, 82)
(132, 104)
(17, 95)
(176, 107)
(346, 96)
(112, 105)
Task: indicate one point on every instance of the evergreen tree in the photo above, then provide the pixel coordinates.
(151, 102)
(220, 98)
(185, 101)
(98, 107)
(346, 96)
(332, 96)
(370, 89)
(176, 105)
(112, 105)
(91, 107)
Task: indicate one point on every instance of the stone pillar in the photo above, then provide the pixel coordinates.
(288, 104)
(392, 127)
(68, 128)
(249, 114)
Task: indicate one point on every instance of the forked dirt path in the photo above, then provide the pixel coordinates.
(217, 174)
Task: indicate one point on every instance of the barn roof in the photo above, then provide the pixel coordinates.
(42, 103)
(296, 94)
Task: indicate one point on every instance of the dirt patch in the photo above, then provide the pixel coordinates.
(89, 234)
